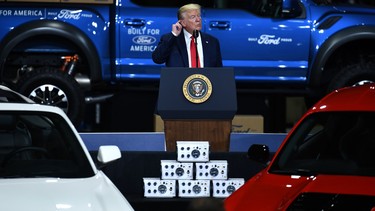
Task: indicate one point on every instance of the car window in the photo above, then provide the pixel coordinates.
(330, 143)
(345, 2)
(40, 144)
(203, 3)
(265, 8)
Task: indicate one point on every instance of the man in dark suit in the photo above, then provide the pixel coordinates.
(175, 50)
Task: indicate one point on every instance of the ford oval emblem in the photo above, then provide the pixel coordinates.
(144, 40)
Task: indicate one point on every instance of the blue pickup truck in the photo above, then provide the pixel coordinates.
(58, 52)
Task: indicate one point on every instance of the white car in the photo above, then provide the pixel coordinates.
(44, 164)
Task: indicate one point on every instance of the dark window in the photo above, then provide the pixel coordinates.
(264, 8)
(331, 143)
(38, 144)
(153, 3)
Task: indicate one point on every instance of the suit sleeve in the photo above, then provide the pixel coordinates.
(164, 48)
(219, 60)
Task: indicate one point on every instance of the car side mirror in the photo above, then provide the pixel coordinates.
(259, 152)
(108, 153)
(290, 8)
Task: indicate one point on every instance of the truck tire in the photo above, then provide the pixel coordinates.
(353, 75)
(50, 86)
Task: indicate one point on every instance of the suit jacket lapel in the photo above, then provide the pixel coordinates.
(182, 48)
(205, 46)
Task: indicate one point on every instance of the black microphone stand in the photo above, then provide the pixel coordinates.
(195, 35)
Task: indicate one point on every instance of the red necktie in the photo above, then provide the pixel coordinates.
(193, 53)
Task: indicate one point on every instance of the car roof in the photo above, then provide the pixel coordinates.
(16, 106)
(8, 95)
(14, 101)
(358, 98)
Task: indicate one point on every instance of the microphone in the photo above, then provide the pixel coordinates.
(196, 35)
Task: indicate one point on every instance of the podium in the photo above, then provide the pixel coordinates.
(197, 104)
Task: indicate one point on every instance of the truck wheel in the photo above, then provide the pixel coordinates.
(50, 86)
(353, 75)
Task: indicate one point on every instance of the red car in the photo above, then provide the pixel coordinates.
(326, 162)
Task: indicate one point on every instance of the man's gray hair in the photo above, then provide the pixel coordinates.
(186, 8)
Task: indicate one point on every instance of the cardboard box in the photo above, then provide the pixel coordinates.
(33, 1)
(158, 124)
(67, 1)
(240, 124)
(88, 1)
(248, 124)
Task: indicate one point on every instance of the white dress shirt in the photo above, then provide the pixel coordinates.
(187, 36)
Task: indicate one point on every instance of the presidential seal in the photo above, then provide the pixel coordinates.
(197, 88)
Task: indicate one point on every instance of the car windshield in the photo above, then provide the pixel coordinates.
(40, 144)
(340, 143)
(345, 2)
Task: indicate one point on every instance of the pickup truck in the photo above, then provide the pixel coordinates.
(59, 52)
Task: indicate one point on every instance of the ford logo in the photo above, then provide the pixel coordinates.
(144, 40)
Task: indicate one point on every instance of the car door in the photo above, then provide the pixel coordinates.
(261, 46)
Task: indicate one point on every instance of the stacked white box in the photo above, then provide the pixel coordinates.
(171, 169)
(192, 160)
(154, 187)
(215, 169)
(194, 188)
(223, 188)
(192, 151)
